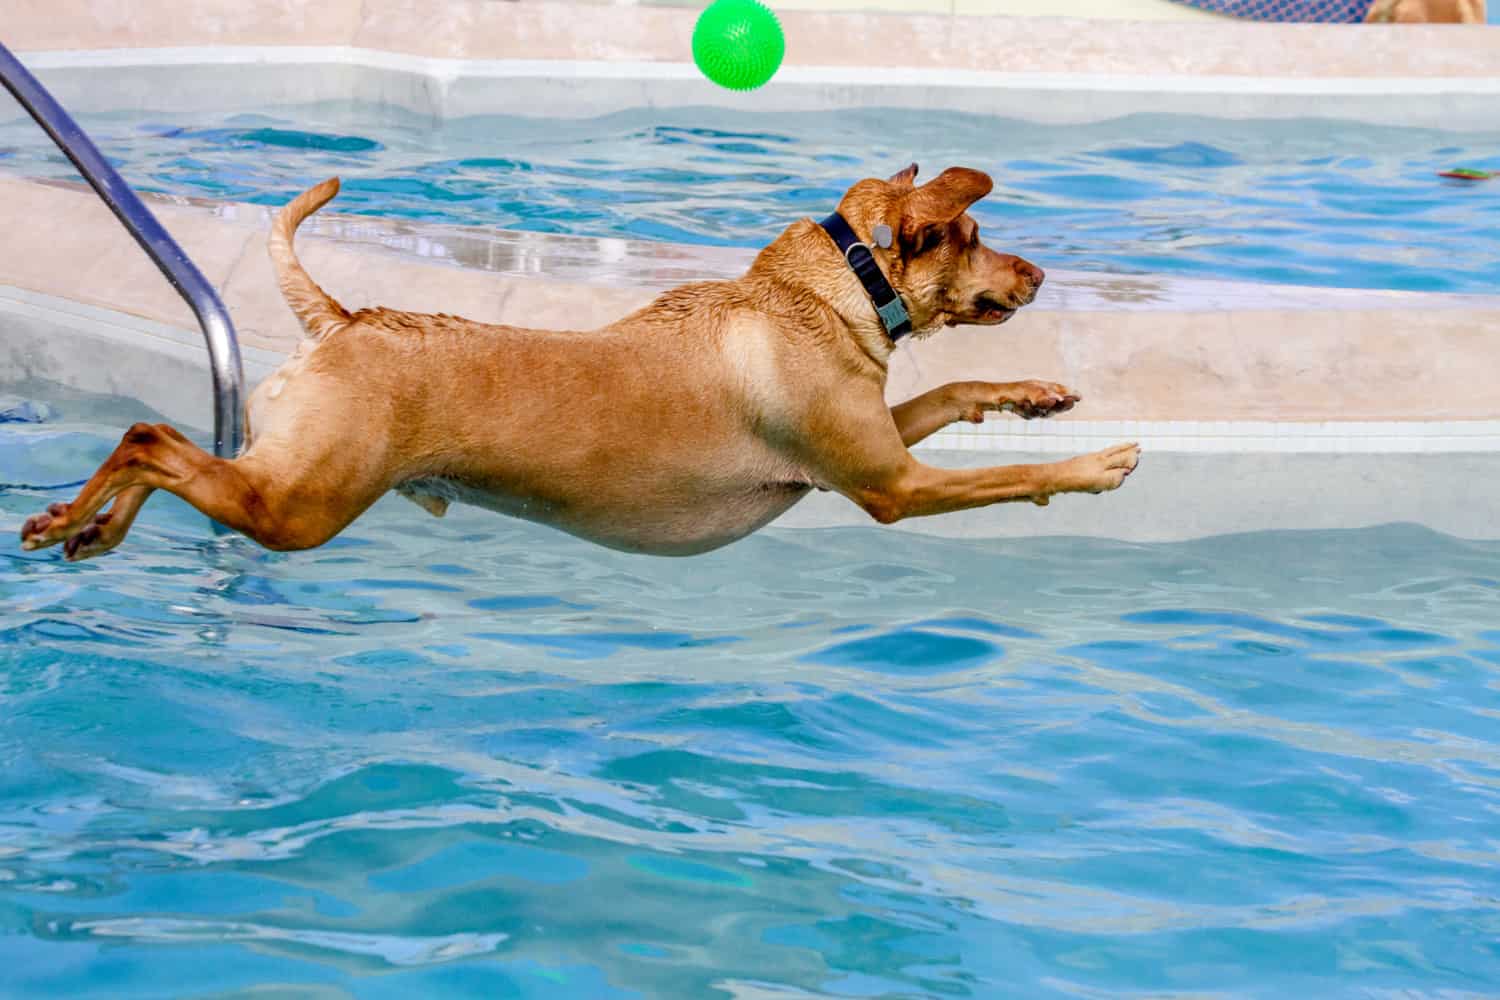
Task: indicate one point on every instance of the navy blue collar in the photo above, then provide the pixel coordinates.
(861, 259)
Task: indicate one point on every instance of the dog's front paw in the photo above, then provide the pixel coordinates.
(1041, 399)
(1099, 472)
(1025, 399)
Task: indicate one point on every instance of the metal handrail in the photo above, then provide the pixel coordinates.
(218, 331)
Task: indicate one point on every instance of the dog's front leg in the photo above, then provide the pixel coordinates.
(850, 443)
(935, 409)
(921, 490)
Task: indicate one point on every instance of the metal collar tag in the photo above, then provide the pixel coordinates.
(861, 259)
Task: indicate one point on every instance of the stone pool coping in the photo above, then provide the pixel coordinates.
(871, 42)
(464, 57)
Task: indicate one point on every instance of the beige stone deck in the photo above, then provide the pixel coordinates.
(541, 29)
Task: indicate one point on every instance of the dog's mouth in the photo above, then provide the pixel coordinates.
(989, 311)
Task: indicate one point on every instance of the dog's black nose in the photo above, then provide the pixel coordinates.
(1026, 269)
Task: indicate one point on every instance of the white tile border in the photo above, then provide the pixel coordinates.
(1223, 436)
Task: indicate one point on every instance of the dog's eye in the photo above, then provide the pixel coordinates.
(931, 239)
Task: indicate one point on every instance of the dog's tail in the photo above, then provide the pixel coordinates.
(319, 313)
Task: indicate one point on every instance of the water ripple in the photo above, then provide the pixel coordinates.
(478, 757)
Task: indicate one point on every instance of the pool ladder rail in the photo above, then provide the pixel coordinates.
(218, 332)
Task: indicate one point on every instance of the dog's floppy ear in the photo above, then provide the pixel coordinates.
(906, 178)
(929, 209)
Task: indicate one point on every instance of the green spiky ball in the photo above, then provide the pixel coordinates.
(738, 44)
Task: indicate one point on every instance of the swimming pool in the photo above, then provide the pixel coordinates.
(475, 757)
(1308, 202)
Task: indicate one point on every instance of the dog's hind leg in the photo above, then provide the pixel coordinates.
(289, 502)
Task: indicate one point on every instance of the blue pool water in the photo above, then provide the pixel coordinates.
(1304, 202)
(474, 757)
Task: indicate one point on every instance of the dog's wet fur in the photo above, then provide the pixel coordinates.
(676, 430)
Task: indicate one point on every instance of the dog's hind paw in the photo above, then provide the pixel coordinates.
(42, 530)
(94, 540)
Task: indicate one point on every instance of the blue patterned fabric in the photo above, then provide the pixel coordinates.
(1324, 11)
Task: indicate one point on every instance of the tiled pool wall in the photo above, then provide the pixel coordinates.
(1257, 407)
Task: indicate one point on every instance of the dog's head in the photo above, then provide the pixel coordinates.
(936, 261)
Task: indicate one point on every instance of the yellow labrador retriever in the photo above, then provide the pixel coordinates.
(673, 431)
